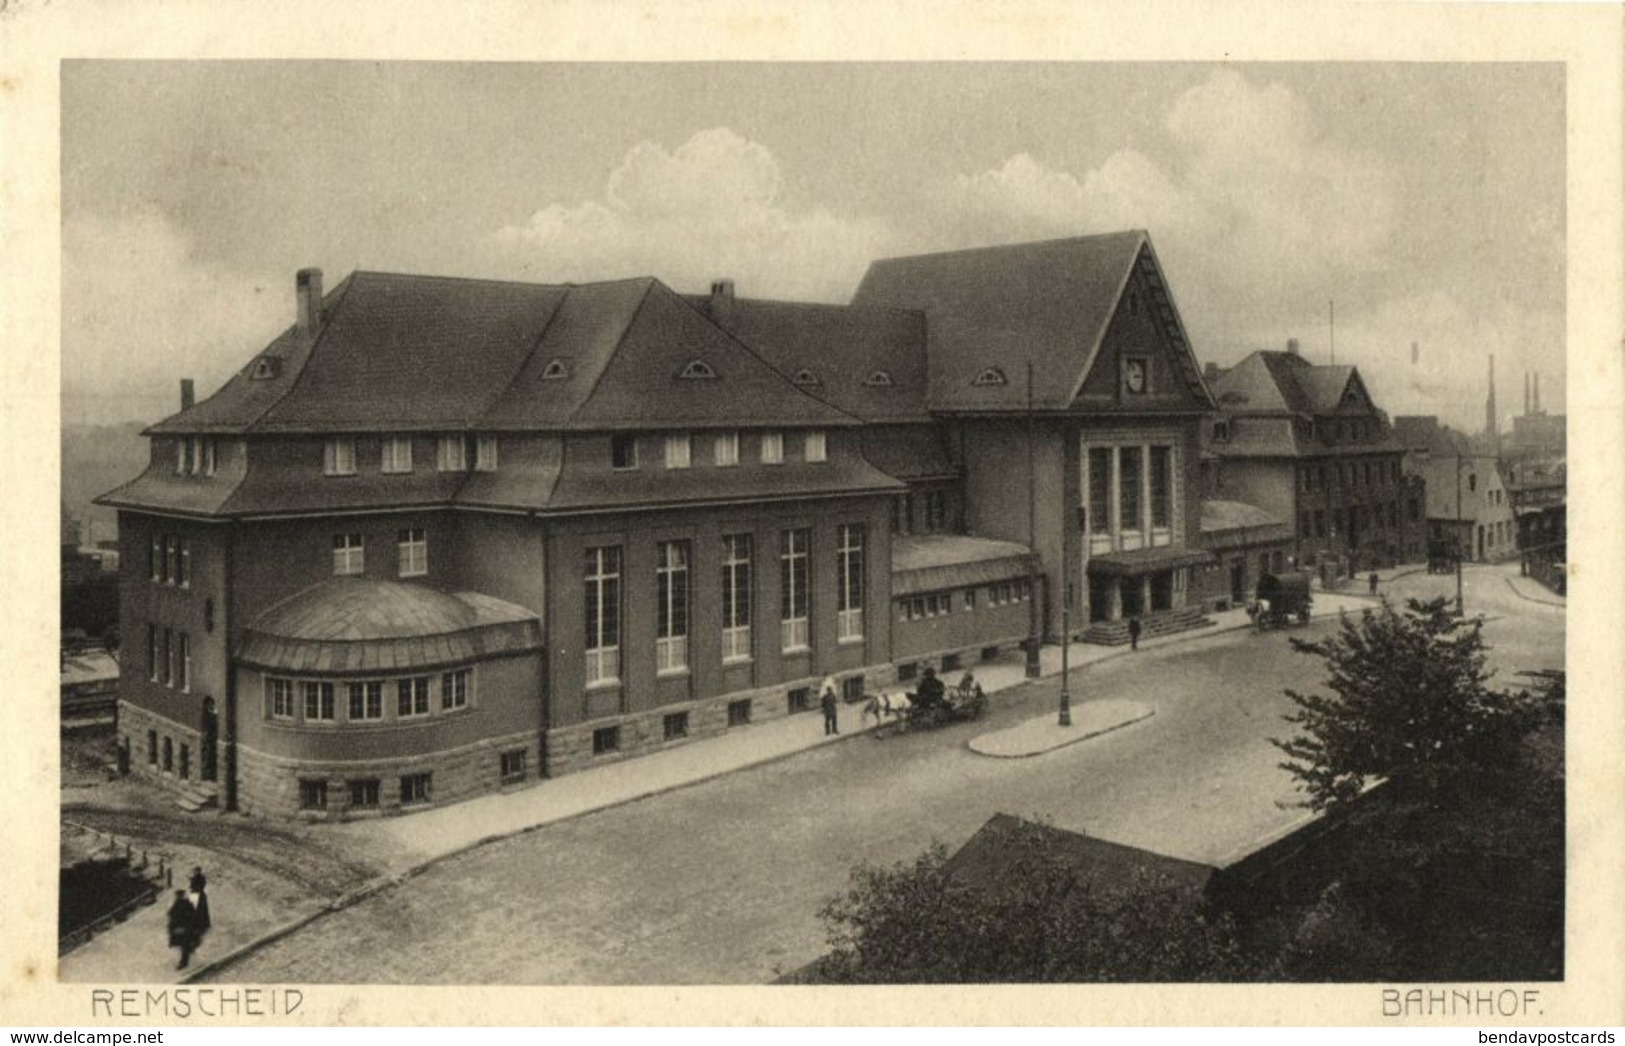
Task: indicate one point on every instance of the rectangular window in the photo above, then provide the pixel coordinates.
(185, 663)
(671, 606)
(318, 701)
(852, 689)
(606, 739)
(155, 558)
(772, 448)
(936, 511)
(364, 794)
(736, 597)
(416, 788)
(312, 795)
(152, 653)
(728, 448)
(454, 689)
(169, 657)
(816, 446)
(623, 452)
(183, 563)
(739, 712)
(349, 556)
(397, 456)
(1320, 523)
(338, 457)
(279, 698)
(1100, 490)
(849, 595)
(413, 552)
(152, 747)
(412, 697)
(1306, 524)
(793, 580)
(453, 454)
(1128, 489)
(172, 559)
(513, 765)
(210, 450)
(970, 599)
(679, 451)
(674, 726)
(1162, 487)
(485, 454)
(366, 700)
(190, 456)
(602, 590)
(180, 457)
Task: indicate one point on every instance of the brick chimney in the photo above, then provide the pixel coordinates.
(1292, 346)
(307, 292)
(1211, 372)
(721, 303)
(187, 397)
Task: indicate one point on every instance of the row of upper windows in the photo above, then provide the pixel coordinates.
(941, 604)
(453, 455)
(411, 553)
(1349, 474)
(317, 700)
(679, 449)
(196, 456)
(169, 658)
(169, 560)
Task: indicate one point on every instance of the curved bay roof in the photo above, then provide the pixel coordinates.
(362, 626)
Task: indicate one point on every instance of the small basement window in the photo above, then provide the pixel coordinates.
(739, 712)
(674, 726)
(416, 788)
(606, 739)
(906, 673)
(364, 794)
(312, 795)
(513, 765)
(800, 700)
(852, 688)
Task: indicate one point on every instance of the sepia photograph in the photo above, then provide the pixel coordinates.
(809, 524)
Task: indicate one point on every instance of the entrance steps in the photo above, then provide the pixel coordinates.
(196, 796)
(1160, 623)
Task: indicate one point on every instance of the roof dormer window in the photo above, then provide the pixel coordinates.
(990, 376)
(556, 370)
(697, 370)
(266, 367)
(805, 377)
(878, 379)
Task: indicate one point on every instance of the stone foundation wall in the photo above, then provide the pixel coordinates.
(571, 748)
(270, 785)
(133, 724)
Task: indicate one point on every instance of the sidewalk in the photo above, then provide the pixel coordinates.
(133, 951)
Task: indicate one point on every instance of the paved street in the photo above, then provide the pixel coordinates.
(721, 882)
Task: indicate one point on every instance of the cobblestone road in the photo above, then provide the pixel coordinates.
(721, 882)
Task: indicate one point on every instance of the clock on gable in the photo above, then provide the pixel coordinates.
(1134, 374)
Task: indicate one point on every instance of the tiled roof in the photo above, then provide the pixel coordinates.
(359, 625)
(244, 399)
(909, 452)
(841, 348)
(1004, 841)
(933, 562)
(1231, 515)
(1048, 303)
(583, 490)
(1139, 561)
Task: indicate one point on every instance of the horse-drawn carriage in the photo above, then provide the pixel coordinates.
(1281, 598)
(897, 710)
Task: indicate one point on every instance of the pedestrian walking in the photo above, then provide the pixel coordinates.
(1372, 581)
(198, 894)
(827, 701)
(183, 928)
(1134, 633)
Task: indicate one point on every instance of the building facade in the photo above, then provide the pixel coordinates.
(1305, 443)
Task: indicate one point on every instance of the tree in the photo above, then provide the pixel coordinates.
(1038, 921)
(1411, 702)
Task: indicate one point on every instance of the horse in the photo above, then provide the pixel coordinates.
(886, 705)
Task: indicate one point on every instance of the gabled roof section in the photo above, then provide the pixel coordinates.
(829, 351)
(1268, 382)
(246, 397)
(1048, 304)
(641, 386)
(414, 353)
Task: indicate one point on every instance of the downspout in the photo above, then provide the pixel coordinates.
(229, 771)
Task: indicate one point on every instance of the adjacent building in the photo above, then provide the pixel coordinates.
(1469, 507)
(1305, 443)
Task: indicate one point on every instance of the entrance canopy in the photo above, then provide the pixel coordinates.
(1143, 561)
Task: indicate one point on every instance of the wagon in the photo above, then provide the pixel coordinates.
(902, 710)
(1282, 598)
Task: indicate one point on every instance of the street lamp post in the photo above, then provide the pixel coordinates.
(1066, 645)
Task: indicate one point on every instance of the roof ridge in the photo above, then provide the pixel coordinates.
(560, 285)
(620, 343)
(1054, 241)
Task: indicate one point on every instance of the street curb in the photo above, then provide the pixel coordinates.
(1149, 712)
(1534, 599)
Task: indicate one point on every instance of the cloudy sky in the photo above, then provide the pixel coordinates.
(1426, 200)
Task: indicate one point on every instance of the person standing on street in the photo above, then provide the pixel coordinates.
(1134, 633)
(1372, 581)
(198, 894)
(828, 702)
(182, 928)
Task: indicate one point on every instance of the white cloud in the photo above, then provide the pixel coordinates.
(709, 209)
(144, 313)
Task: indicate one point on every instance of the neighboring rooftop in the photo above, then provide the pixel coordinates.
(932, 562)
